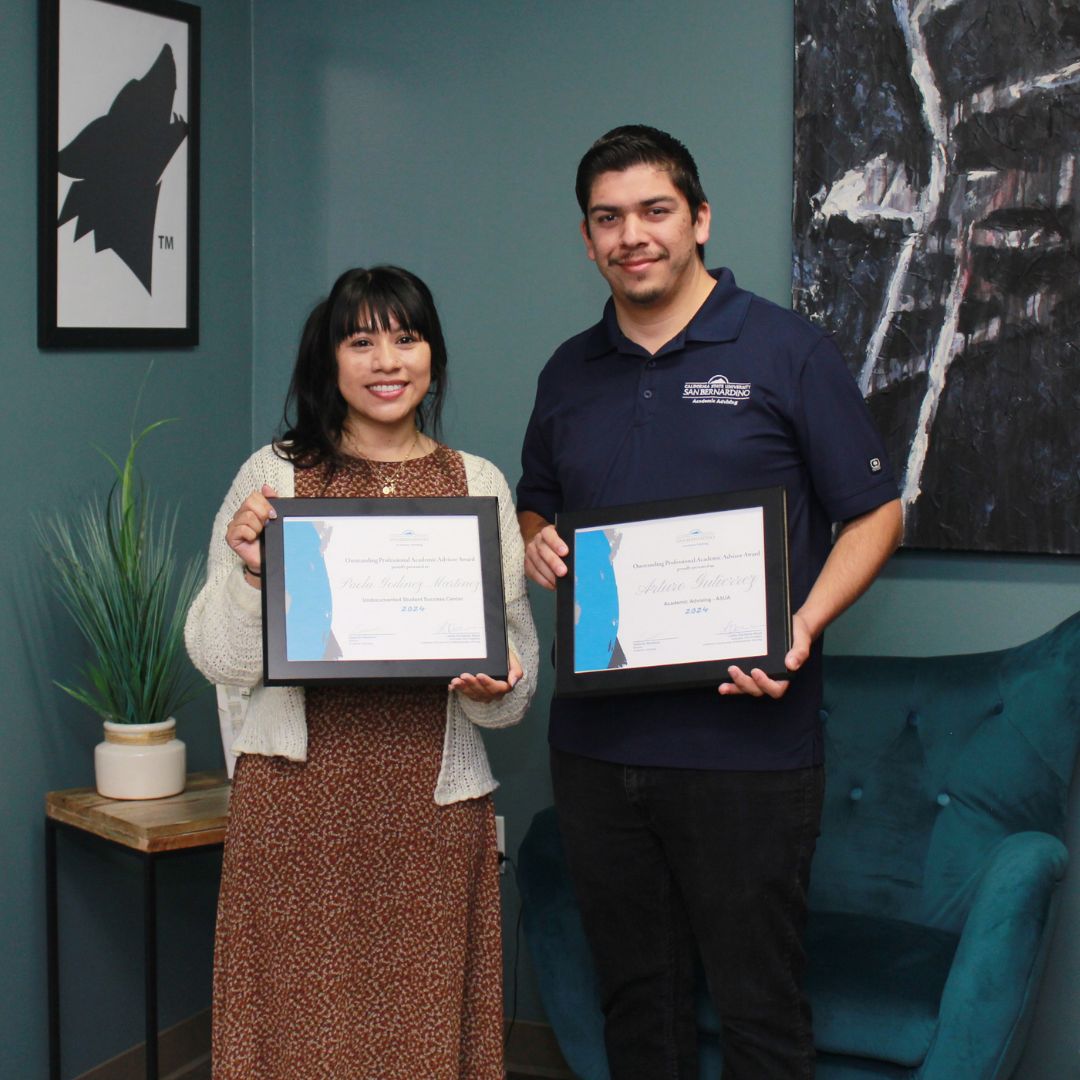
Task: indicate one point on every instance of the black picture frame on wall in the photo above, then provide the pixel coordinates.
(118, 230)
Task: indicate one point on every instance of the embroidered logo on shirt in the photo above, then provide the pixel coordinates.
(717, 391)
(875, 465)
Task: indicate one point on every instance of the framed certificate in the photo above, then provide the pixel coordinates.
(670, 594)
(383, 590)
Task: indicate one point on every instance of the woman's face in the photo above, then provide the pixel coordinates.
(383, 375)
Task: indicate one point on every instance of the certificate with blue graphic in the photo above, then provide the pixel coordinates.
(670, 594)
(382, 589)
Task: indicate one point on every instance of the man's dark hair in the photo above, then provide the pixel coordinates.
(315, 411)
(638, 144)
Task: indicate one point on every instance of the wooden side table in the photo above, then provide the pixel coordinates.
(191, 821)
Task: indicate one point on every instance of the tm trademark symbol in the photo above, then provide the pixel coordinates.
(165, 243)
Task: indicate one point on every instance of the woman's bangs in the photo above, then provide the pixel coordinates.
(380, 308)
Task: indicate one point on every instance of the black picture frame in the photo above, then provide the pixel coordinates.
(281, 670)
(118, 174)
(619, 678)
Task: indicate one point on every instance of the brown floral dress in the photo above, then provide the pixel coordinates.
(358, 930)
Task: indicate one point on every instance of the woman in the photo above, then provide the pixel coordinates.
(358, 930)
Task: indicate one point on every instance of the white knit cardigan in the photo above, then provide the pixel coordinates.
(224, 639)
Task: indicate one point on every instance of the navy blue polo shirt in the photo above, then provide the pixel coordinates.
(614, 425)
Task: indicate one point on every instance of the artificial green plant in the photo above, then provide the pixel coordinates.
(115, 570)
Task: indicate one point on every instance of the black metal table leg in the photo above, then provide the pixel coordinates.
(150, 965)
(52, 948)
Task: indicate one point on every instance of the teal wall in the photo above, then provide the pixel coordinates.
(445, 137)
(55, 405)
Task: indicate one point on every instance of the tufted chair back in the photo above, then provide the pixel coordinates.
(933, 890)
(932, 763)
(934, 886)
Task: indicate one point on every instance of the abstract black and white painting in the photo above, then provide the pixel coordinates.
(937, 234)
(118, 233)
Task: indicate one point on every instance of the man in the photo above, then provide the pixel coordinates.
(690, 817)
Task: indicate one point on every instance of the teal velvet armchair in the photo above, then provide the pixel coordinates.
(936, 877)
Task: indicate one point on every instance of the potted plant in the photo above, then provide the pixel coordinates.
(115, 570)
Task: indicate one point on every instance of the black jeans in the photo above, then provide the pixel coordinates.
(663, 859)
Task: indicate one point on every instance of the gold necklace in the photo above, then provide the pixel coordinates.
(389, 483)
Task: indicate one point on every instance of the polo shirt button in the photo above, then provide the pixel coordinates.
(648, 393)
(943, 799)
(856, 794)
(650, 363)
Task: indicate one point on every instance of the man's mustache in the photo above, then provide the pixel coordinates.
(656, 256)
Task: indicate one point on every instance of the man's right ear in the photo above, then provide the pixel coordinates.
(589, 249)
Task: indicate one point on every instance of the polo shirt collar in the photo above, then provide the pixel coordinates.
(719, 319)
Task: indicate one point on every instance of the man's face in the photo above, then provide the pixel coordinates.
(641, 236)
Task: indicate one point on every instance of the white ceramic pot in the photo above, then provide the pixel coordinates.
(140, 761)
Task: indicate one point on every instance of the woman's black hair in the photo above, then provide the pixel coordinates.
(315, 411)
